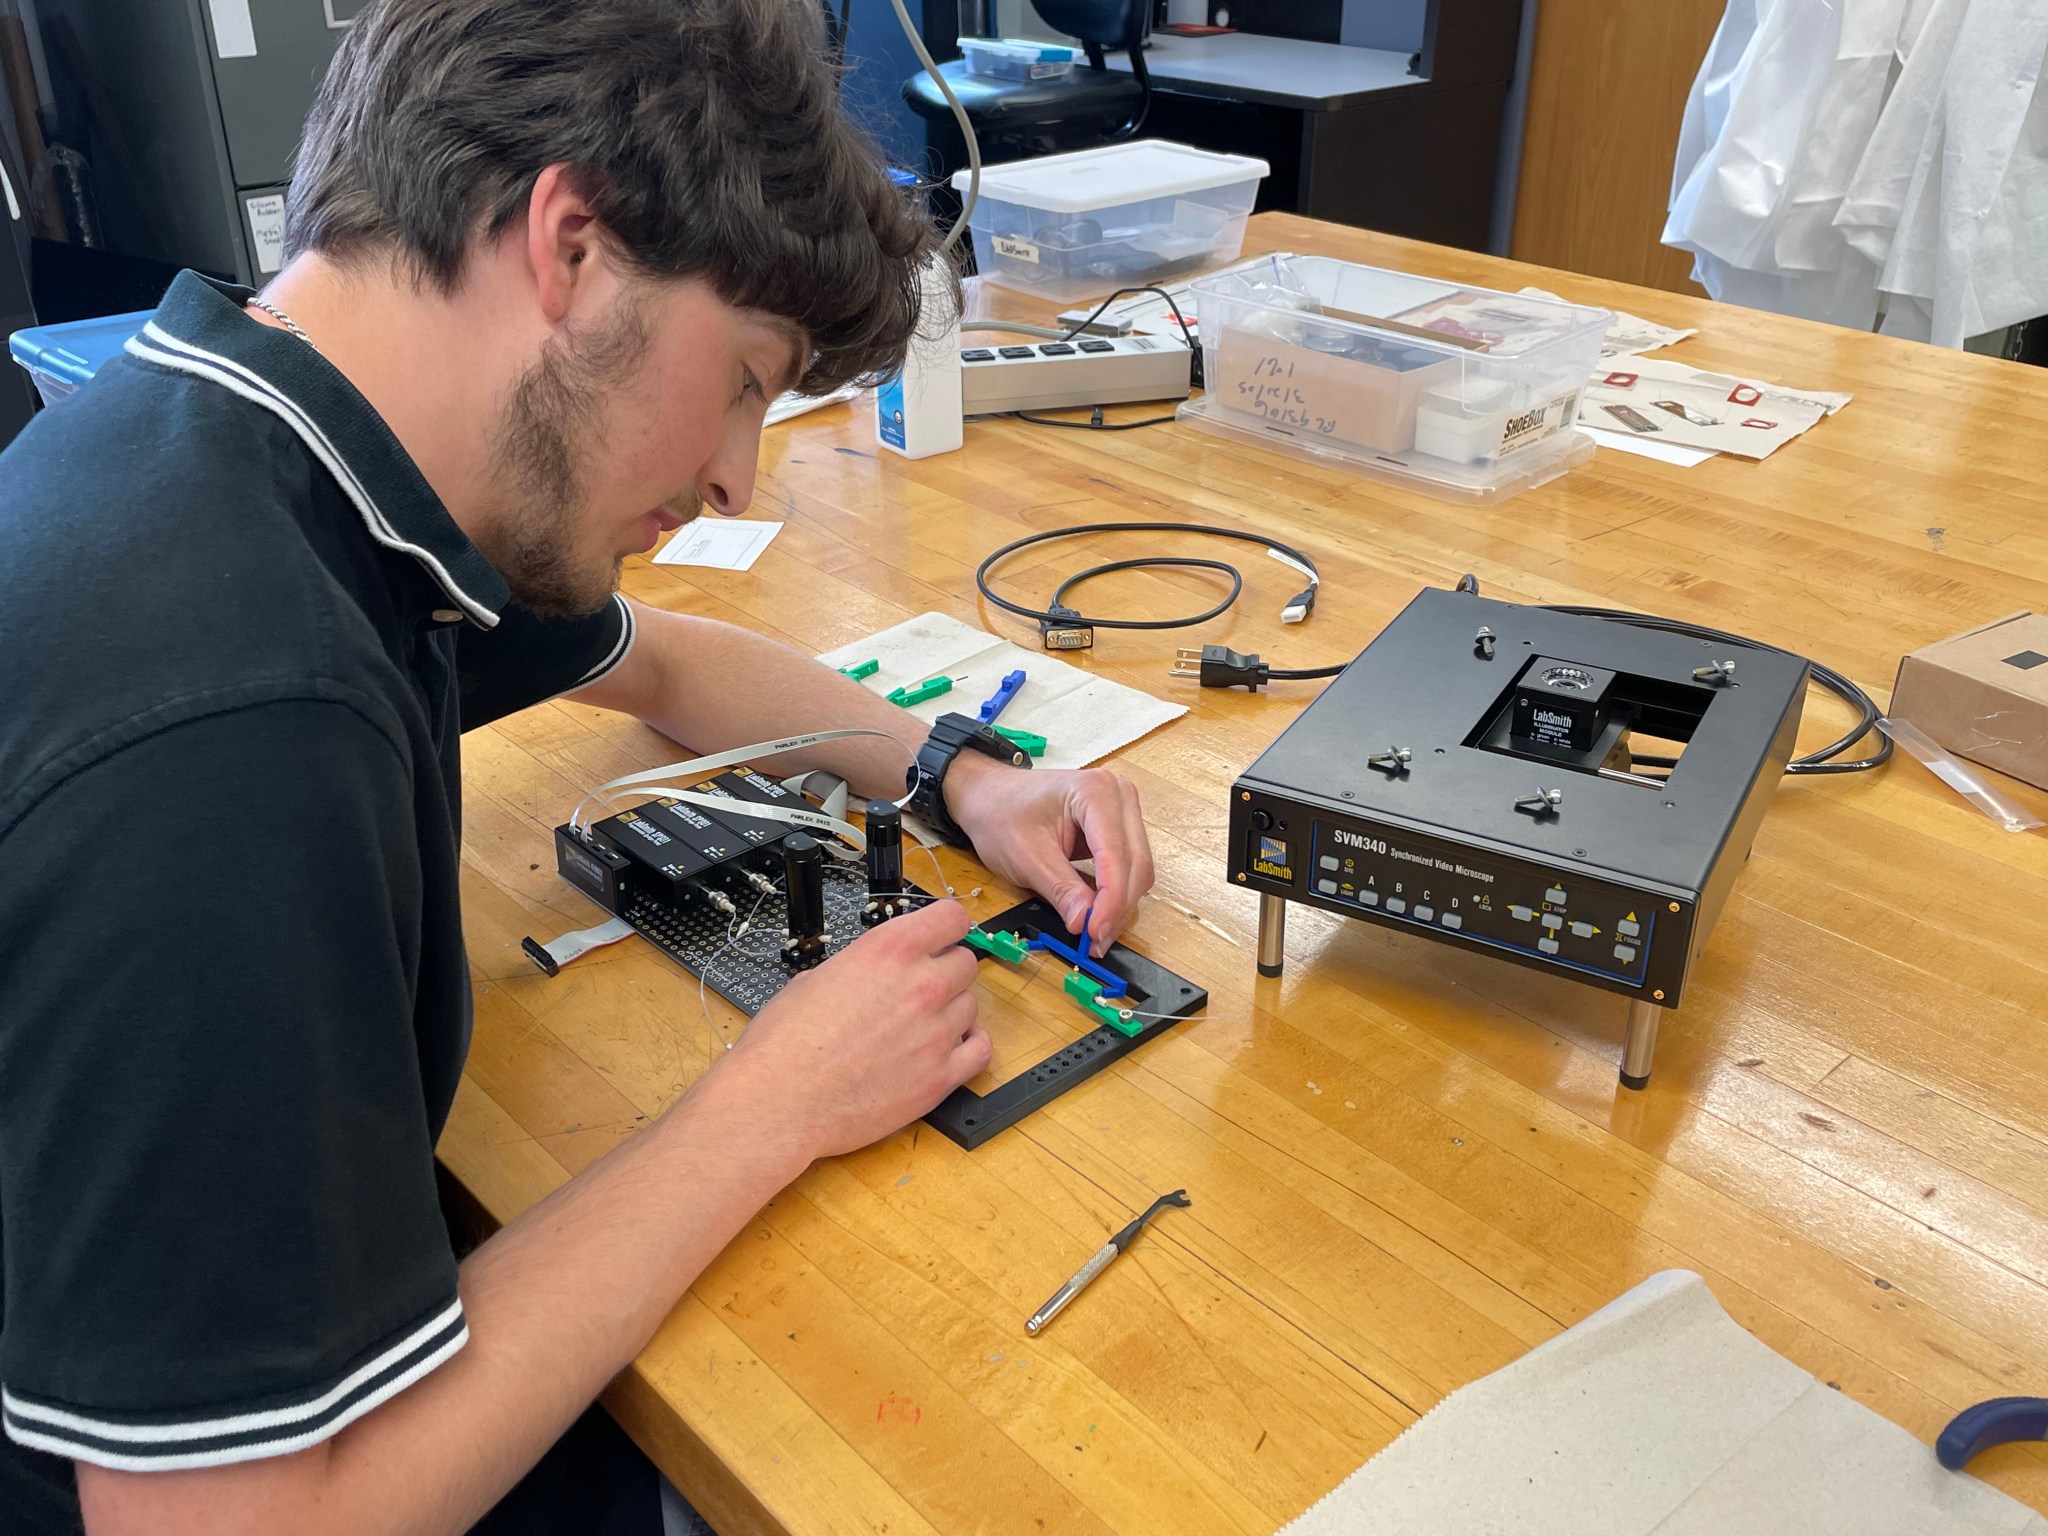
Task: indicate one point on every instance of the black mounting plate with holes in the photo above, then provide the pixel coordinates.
(971, 1118)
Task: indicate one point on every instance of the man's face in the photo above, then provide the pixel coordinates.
(624, 428)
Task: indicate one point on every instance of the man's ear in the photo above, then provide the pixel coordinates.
(563, 250)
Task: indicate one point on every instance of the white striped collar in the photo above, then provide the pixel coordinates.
(201, 329)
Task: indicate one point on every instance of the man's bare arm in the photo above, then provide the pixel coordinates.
(562, 1299)
(713, 686)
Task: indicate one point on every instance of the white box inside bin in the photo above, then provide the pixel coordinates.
(1461, 389)
(1004, 58)
(1082, 225)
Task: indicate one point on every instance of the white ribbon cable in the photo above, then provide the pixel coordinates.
(696, 765)
(731, 806)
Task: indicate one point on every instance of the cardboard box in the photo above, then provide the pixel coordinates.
(1984, 695)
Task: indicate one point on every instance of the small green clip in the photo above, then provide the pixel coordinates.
(1086, 990)
(930, 688)
(1032, 743)
(1002, 945)
(861, 669)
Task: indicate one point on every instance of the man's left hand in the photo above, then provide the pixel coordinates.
(1031, 827)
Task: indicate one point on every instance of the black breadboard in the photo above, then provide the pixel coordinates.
(748, 970)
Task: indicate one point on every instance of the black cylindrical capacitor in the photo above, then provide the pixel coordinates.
(885, 849)
(803, 863)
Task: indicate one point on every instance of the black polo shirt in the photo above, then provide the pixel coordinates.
(239, 638)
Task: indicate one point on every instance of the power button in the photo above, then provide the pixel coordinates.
(1263, 820)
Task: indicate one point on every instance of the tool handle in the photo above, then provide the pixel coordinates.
(1988, 1424)
(1096, 1264)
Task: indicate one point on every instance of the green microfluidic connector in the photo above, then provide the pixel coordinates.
(1004, 946)
(861, 669)
(1086, 990)
(930, 688)
(1032, 743)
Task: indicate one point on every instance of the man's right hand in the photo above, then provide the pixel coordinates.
(860, 1047)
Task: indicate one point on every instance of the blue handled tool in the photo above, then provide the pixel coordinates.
(1005, 691)
(1988, 1424)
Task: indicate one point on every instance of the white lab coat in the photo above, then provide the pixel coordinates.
(1842, 159)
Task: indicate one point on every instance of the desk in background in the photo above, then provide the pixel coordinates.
(1404, 143)
(1409, 1165)
(1354, 135)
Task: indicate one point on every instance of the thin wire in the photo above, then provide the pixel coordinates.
(960, 116)
(1094, 423)
(1186, 334)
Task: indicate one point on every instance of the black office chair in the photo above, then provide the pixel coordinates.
(1090, 106)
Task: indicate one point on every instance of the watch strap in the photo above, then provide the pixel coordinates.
(952, 734)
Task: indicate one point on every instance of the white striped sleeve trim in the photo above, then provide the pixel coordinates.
(232, 376)
(130, 1446)
(628, 632)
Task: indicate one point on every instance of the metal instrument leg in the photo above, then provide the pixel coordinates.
(1639, 1045)
(1272, 933)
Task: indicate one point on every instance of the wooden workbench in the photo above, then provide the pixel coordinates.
(1408, 1164)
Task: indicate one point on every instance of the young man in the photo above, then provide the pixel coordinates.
(550, 263)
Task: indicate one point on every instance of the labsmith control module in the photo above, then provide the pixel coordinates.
(1563, 792)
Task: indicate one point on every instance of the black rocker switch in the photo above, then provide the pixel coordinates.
(885, 863)
(803, 863)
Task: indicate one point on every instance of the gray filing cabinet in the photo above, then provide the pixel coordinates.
(193, 110)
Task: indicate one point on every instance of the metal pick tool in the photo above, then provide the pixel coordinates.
(1100, 1261)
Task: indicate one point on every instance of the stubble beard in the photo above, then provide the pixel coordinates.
(552, 423)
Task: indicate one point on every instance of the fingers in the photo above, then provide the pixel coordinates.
(958, 968)
(970, 1057)
(931, 928)
(1107, 809)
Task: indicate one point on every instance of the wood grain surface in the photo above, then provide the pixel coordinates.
(1408, 1164)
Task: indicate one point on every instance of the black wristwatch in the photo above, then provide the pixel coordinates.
(926, 779)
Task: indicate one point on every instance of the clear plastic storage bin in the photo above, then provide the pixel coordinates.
(1465, 393)
(61, 358)
(1004, 58)
(1080, 225)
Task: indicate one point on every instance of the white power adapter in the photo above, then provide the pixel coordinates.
(918, 412)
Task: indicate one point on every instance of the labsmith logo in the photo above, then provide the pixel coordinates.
(1272, 859)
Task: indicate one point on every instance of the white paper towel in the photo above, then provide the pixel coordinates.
(1083, 718)
(1659, 1416)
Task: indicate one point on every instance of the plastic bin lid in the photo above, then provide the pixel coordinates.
(1010, 47)
(74, 350)
(1088, 179)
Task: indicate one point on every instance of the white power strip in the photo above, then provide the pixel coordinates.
(1089, 370)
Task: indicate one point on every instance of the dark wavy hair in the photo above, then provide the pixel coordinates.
(707, 134)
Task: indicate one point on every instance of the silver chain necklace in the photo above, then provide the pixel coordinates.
(284, 320)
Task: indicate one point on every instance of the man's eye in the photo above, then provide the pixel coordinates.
(752, 386)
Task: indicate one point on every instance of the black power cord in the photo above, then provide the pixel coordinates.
(1825, 759)
(1064, 628)
(1095, 422)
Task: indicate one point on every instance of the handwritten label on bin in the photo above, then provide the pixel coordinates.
(1366, 399)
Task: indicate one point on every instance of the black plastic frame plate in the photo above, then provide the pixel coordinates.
(971, 1118)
